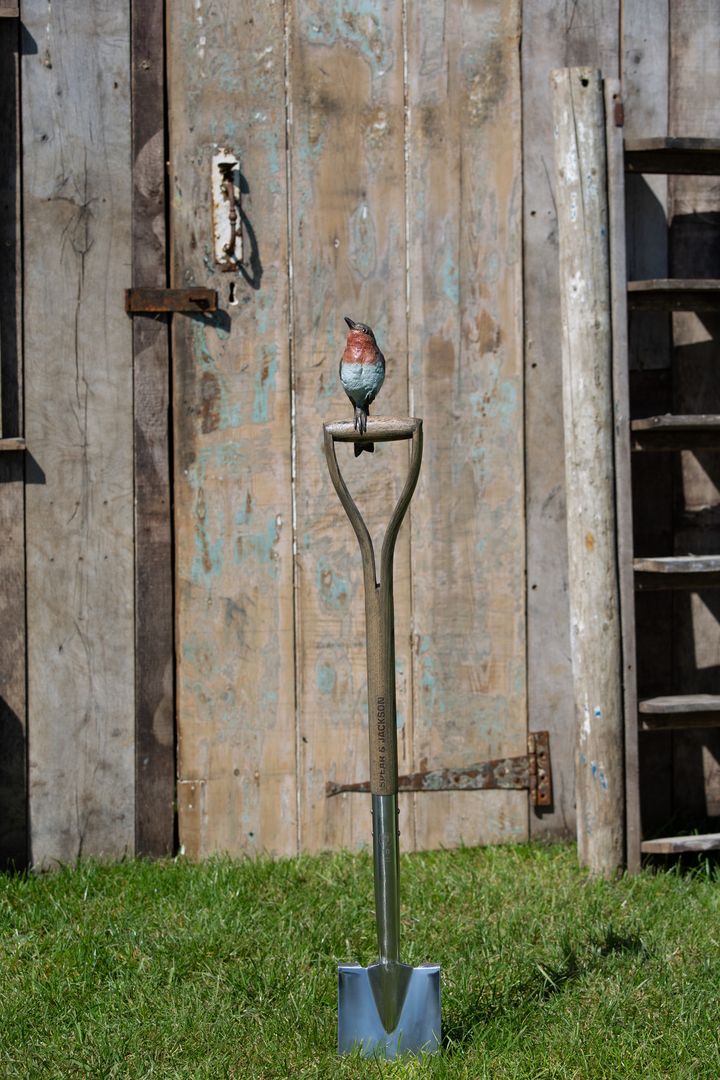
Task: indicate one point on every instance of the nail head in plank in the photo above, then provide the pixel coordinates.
(674, 294)
(696, 157)
(679, 845)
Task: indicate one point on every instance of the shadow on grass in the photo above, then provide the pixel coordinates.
(548, 979)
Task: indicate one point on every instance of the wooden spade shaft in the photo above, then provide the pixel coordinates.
(380, 631)
(379, 607)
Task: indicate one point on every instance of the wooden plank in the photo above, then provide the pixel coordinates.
(687, 572)
(700, 422)
(681, 845)
(590, 482)
(645, 51)
(695, 157)
(348, 235)
(78, 411)
(679, 564)
(674, 294)
(13, 703)
(553, 35)
(679, 712)
(662, 433)
(465, 345)
(232, 439)
(623, 469)
(680, 703)
(154, 664)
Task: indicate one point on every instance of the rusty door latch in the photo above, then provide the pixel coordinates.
(146, 301)
(531, 772)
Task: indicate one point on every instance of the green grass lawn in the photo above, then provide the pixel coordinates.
(228, 969)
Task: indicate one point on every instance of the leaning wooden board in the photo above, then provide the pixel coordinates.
(348, 236)
(79, 427)
(465, 348)
(232, 440)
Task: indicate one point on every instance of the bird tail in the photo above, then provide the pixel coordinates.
(369, 447)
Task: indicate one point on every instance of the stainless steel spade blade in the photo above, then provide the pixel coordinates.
(388, 1008)
(359, 1021)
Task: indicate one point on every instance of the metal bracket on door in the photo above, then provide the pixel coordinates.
(531, 772)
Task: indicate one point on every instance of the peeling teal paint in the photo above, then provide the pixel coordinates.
(268, 700)
(334, 589)
(430, 686)
(228, 410)
(325, 678)
(449, 276)
(264, 383)
(259, 545)
(362, 24)
(362, 253)
(598, 773)
(208, 559)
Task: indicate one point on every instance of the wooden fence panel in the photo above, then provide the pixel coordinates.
(554, 35)
(465, 246)
(233, 504)
(13, 720)
(348, 226)
(79, 426)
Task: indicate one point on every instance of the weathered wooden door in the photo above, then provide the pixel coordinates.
(379, 147)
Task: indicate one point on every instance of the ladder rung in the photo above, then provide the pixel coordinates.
(674, 294)
(699, 432)
(676, 845)
(677, 572)
(695, 157)
(677, 712)
(12, 444)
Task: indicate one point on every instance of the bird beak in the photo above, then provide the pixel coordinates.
(350, 322)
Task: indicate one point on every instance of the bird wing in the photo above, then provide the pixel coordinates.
(350, 399)
(379, 359)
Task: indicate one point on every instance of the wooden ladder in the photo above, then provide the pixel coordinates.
(635, 435)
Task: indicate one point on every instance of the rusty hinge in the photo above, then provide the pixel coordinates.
(531, 772)
(155, 301)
